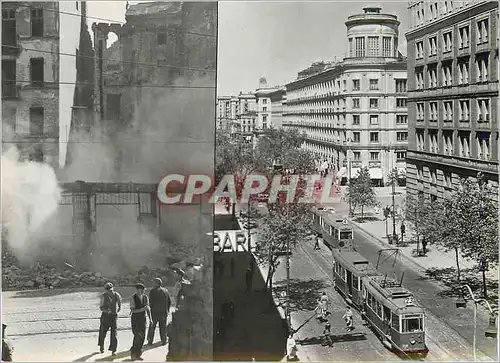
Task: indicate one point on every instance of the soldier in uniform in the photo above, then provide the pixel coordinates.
(111, 303)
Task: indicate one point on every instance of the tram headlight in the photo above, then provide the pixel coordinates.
(412, 341)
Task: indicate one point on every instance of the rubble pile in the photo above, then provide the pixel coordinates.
(43, 276)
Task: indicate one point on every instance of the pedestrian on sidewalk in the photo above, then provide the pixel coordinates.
(348, 319)
(318, 240)
(424, 245)
(291, 348)
(249, 279)
(325, 302)
(139, 308)
(327, 334)
(160, 302)
(110, 306)
(7, 347)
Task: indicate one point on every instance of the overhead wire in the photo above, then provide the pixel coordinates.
(113, 61)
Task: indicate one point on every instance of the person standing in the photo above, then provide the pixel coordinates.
(139, 308)
(160, 302)
(324, 305)
(291, 348)
(348, 319)
(110, 305)
(316, 245)
(327, 334)
(7, 348)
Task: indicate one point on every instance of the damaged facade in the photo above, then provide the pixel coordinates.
(39, 74)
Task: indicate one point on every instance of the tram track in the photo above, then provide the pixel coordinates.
(443, 353)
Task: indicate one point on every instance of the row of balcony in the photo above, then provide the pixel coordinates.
(322, 95)
(453, 160)
(316, 112)
(454, 91)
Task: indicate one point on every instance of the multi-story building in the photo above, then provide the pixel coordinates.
(223, 111)
(453, 94)
(237, 114)
(355, 110)
(41, 43)
(277, 99)
(266, 97)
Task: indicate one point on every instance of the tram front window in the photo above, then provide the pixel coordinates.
(346, 235)
(413, 324)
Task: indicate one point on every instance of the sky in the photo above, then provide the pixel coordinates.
(278, 39)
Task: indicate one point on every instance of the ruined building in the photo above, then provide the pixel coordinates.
(39, 74)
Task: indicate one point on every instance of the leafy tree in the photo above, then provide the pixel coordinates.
(420, 212)
(361, 192)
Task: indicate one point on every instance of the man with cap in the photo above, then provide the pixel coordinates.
(7, 348)
(160, 302)
(111, 304)
(139, 308)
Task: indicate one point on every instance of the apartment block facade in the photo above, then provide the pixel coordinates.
(452, 94)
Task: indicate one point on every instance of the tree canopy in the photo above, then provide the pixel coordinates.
(361, 193)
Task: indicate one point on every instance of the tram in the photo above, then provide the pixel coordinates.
(387, 307)
(336, 231)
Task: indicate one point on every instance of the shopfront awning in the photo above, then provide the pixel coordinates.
(376, 173)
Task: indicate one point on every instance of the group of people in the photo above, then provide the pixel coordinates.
(154, 308)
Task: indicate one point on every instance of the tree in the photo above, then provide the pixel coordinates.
(420, 211)
(361, 192)
(467, 222)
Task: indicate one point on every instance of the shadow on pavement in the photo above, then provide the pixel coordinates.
(125, 292)
(471, 276)
(354, 337)
(255, 330)
(86, 357)
(304, 294)
(366, 219)
(122, 354)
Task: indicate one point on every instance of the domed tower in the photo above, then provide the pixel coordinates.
(372, 34)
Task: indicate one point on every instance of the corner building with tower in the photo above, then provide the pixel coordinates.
(452, 95)
(354, 111)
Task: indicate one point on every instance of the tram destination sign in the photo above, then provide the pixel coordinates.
(231, 241)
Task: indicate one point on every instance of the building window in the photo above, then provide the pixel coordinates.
(401, 102)
(9, 32)
(355, 103)
(433, 111)
(401, 136)
(8, 78)
(447, 74)
(419, 78)
(373, 50)
(464, 144)
(356, 155)
(37, 22)
(482, 67)
(36, 155)
(463, 37)
(463, 71)
(264, 109)
(482, 31)
(401, 119)
(447, 42)
(400, 155)
(400, 85)
(264, 101)
(432, 76)
(420, 112)
(162, 35)
(432, 46)
(264, 121)
(373, 103)
(36, 120)
(351, 50)
(355, 119)
(37, 71)
(420, 140)
(420, 50)
(448, 111)
(483, 110)
(386, 47)
(373, 119)
(373, 136)
(360, 46)
(483, 145)
(433, 143)
(373, 84)
(355, 85)
(374, 156)
(448, 142)
(356, 137)
(464, 106)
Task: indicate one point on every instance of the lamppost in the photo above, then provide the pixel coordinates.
(491, 331)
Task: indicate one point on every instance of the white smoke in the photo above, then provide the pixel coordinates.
(30, 196)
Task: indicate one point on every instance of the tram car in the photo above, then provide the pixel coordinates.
(336, 231)
(388, 308)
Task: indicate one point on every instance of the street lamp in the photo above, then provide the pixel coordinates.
(491, 331)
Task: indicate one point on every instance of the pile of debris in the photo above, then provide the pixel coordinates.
(43, 276)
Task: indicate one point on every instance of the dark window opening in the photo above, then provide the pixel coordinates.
(37, 22)
(8, 78)
(9, 36)
(162, 36)
(36, 67)
(113, 106)
(36, 155)
(36, 120)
